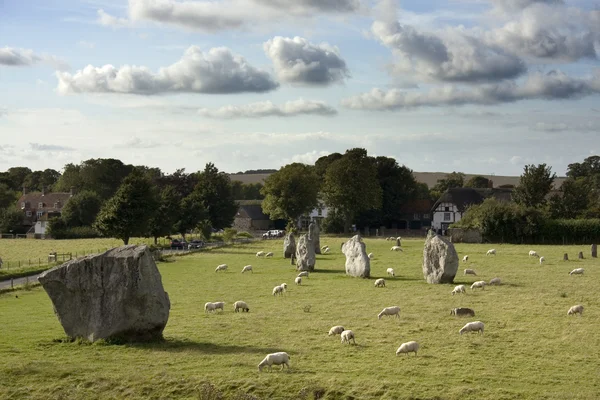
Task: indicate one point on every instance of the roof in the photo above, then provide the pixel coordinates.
(253, 212)
(461, 197)
(417, 206)
(48, 199)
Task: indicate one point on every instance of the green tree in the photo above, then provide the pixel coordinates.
(480, 182)
(8, 197)
(37, 180)
(574, 200)
(290, 192)
(351, 185)
(398, 185)
(15, 177)
(128, 213)
(246, 191)
(192, 215)
(323, 163)
(167, 215)
(214, 190)
(534, 185)
(11, 220)
(81, 209)
(453, 180)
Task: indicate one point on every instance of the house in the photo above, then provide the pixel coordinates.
(39, 208)
(415, 215)
(317, 215)
(250, 217)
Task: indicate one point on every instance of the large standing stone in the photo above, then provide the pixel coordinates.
(289, 245)
(313, 234)
(114, 295)
(305, 254)
(594, 250)
(357, 260)
(440, 261)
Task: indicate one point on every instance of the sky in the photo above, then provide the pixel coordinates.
(477, 86)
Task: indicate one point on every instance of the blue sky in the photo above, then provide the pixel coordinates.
(478, 86)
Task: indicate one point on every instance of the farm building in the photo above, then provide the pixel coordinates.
(39, 208)
(250, 217)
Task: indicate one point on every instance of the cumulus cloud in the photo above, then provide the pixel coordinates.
(307, 158)
(552, 86)
(13, 57)
(268, 109)
(105, 19)
(311, 6)
(300, 62)
(217, 71)
(49, 147)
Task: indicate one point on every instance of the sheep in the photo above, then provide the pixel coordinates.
(324, 247)
(577, 271)
(396, 248)
(298, 281)
(495, 281)
(492, 251)
(408, 347)
(281, 358)
(277, 290)
(284, 286)
(478, 284)
(347, 335)
(222, 267)
(465, 258)
(303, 273)
(476, 326)
(459, 289)
(395, 310)
(336, 330)
(542, 259)
(532, 253)
(240, 305)
(390, 238)
(469, 272)
(462, 311)
(391, 272)
(399, 238)
(260, 254)
(219, 305)
(326, 250)
(380, 282)
(370, 255)
(578, 309)
(247, 268)
(269, 254)
(209, 307)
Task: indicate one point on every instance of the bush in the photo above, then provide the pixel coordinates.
(333, 223)
(58, 229)
(229, 234)
(570, 231)
(245, 235)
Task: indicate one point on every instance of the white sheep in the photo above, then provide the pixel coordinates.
(209, 307)
(324, 247)
(277, 290)
(459, 289)
(399, 238)
(478, 284)
(396, 248)
(327, 250)
(303, 273)
(577, 271)
(240, 305)
(469, 272)
(298, 280)
(370, 255)
(219, 305)
(395, 310)
(476, 326)
(222, 267)
(260, 254)
(408, 347)
(247, 268)
(284, 286)
(380, 282)
(492, 251)
(495, 281)
(391, 272)
(336, 330)
(269, 254)
(542, 259)
(280, 358)
(578, 309)
(347, 335)
(532, 253)
(390, 238)
(465, 258)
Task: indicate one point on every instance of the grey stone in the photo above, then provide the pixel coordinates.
(114, 295)
(313, 234)
(580, 255)
(440, 261)
(398, 242)
(305, 254)
(594, 251)
(289, 246)
(566, 257)
(358, 263)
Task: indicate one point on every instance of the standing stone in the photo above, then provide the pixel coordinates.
(398, 242)
(581, 255)
(305, 254)
(313, 234)
(440, 261)
(594, 251)
(566, 257)
(114, 295)
(289, 245)
(357, 261)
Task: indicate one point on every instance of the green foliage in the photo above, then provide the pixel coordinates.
(452, 180)
(59, 229)
(229, 234)
(333, 223)
(246, 191)
(81, 209)
(191, 214)
(167, 215)
(290, 192)
(129, 212)
(291, 227)
(398, 185)
(205, 229)
(589, 167)
(534, 185)
(246, 235)
(480, 182)
(11, 220)
(574, 200)
(15, 177)
(323, 163)
(8, 197)
(37, 180)
(570, 231)
(214, 191)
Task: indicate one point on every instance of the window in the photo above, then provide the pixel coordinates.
(447, 216)
(55, 205)
(39, 214)
(28, 213)
(426, 216)
(446, 208)
(320, 212)
(22, 205)
(416, 217)
(40, 205)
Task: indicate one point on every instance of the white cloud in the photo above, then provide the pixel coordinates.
(516, 160)
(216, 71)
(86, 45)
(518, 5)
(307, 158)
(307, 7)
(300, 62)
(268, 109)
(105, 19)
(49, 147)
(13, 57)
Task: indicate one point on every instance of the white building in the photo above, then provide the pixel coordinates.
(317, 215)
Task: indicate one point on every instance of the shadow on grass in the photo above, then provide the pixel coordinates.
(176, 345)
(329, 271)
(230, 251)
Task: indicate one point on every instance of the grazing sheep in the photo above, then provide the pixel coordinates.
(469, 272)
(476, 326)
(336, 330)
(298, 281)
(395, 310)
(495, 281)
(219, 305)
(577, 271)
(380, 282)
(280, 358)
(459, 289)
(370, 255)
(209, 307)
(478, 284)
(578, 309)
(390, 271)
(347, 335)
(260, 254)
(408, 347)
(390, 238)
(303, 273)
(399, 238)
(327, 250)
(396, 248)
(462, 311)
(222, 267)
(492, 251)
(277, 290)
(240, 305)
(533, 253)
(465, 258)
(247, 268)
(284, 286)
(542, 259)
(269, 254)
(324, 247)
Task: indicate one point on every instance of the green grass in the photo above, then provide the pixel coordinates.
(531, 349)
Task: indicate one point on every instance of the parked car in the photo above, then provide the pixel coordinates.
(178, 244)
(274, 233)
(196, 244)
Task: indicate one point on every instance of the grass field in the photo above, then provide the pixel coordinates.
(531, 349)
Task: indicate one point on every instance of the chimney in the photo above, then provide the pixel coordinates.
(490, 184)
(43, 190)
(24, 190)
(72, 191)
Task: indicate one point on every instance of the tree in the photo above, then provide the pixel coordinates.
(37, 180)
(192, 214)
(8, 197)
(214, 190)
(246, 191)
(290, 192)
(590, 166)
(453, 180)
(351, 185)
(480, 182)
(81, 209)
(398, 185)
(129, 212)
(574, 200)
(167, 215)
(183, 183)
(323, 163)
(534, 185)
(11, 220)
